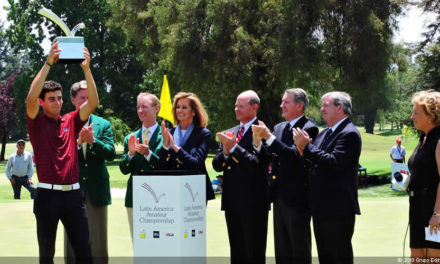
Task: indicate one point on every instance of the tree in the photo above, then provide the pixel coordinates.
(116, 70)
(429, 72)
(7, 111)
(220, 48)
(357, 38)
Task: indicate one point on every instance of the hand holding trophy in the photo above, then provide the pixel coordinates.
(71, 48)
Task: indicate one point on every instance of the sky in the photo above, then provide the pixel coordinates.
(411, 25)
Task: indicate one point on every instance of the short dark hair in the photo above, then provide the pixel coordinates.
(50, 86)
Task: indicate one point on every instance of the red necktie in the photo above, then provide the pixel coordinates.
(240, 134)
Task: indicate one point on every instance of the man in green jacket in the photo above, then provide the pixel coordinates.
(95, 147)
(141, 148)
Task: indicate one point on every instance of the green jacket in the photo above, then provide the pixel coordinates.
(139, 163)
(93, 174)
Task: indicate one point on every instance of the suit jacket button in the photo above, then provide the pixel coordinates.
(274, 177)
(84, 178)
(229, 167)
(85, 165)
(142, 170)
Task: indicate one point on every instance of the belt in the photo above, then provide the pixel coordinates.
(57, 187)
(19, 176)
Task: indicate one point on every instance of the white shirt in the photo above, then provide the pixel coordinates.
(20, 165)
(270, 140)
(335, 126)
(246, 127)
(398, 153)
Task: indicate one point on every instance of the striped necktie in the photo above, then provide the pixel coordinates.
(145, 136)
(240, 134)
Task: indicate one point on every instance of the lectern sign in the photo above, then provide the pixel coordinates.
(169, 218)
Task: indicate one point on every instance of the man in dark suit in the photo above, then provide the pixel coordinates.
(95, 147)
(291, 216)
(141, 148)
(245, 185)
(334, 159)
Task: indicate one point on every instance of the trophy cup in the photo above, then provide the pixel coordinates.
(71, 47)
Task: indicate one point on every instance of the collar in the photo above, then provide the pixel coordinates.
(293, 122)
(335, 126)
(151, 129)
(248, 124)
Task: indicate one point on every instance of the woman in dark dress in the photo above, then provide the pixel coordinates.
(185, 147)
(424, 201)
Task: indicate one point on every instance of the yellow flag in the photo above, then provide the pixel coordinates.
(166, 108)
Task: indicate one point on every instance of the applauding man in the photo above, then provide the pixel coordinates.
(334, 161)
(141, 148)
(245, 185)
(291, 216)
(95, 147)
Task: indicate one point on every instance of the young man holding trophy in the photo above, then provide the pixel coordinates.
(54, 140)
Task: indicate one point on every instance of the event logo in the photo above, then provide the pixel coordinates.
(153, 193)
(143, 234)
(156, 234)
(193, 195)
(169, 234)
(185, 235)
(200, 232)
(193, 233)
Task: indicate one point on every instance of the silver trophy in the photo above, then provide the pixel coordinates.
(71, 47)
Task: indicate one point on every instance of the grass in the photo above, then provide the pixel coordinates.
(379, 230)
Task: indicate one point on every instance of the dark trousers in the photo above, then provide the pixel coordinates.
(22, 181)
(333, 238)
(292, 234)
(247, 233)
(398, 160)
(51, 206)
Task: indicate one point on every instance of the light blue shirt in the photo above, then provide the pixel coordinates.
(20, 165)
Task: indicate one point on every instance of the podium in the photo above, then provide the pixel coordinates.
(169, 217)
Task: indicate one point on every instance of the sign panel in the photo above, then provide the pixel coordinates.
(403, 179)
(169, 218)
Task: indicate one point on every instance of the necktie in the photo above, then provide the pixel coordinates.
(240, 134)
(287, 136)
(145, 136)
(84, 149)
(327, 136)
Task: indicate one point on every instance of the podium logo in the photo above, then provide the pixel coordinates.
(169, 234)
(142, 234)
(153, 193)
(155, 234)
(185, 235)
(193, 195)
(193, 233)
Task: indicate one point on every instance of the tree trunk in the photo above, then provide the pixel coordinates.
(370, 117)
(4, 138)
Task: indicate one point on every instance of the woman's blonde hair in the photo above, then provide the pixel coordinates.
(430, 102)
(200, 117)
